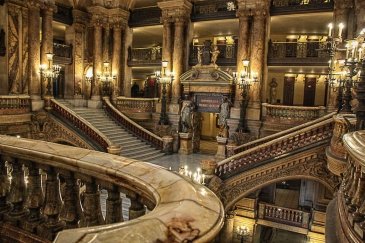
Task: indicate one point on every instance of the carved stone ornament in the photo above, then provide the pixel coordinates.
(2, 43)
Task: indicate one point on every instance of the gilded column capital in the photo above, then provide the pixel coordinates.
(175, 11)
(344, 4)
(38, 4)
(81, 18)
(49, 8)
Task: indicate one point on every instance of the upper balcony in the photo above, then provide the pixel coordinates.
(226, 57)
(63, 53)
(211, 10)
(297, 54)
(151, 56)
(279, 7)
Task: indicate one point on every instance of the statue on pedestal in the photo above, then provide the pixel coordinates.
(223, 116)
(273, 87)
(185, 117)
(215, 54)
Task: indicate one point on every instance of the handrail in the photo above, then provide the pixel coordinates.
(132, 126)
(14, 104)
(135, 106)
(81, 124)
(284, 215)
(280, 145)
(291, 114)
(260, 141)
(180, 208)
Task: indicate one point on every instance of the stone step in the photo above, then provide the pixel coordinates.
(152, 158)
(148, 156)
(136, 152)
(128, 145)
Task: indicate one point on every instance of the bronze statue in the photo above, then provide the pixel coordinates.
(215, 54)
(185, 117)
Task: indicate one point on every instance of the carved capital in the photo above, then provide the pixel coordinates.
(175, 11)
(344, 4)
(35, 4)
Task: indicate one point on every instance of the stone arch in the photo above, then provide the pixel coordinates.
(311, 166)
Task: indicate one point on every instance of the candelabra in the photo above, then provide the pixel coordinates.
(244, 83)
(49, 72)
(243, 232)
(197, 176)
(164, 79)
(106, 79)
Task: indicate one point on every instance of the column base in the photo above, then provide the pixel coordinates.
(37, 103)
(185, 143)
(221, 149)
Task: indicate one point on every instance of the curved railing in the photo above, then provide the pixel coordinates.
(181, 211)
(132, 126)
(80, 123)
(14, 104)
(266, 139)
(137, 108)
(291, 114)
(278, 146)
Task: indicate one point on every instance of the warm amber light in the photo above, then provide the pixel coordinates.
(245, 63)
(164, 64)
(49, 56)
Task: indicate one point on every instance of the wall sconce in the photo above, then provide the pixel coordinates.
(106, 79)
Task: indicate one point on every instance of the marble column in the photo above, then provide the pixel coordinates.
(167, 44)
(360, 16)
(242, 51)
(97, 61)
(34, 56)
(257, 57)
(117, 48)
(47, 43)
(178, 59)
(106, 38)
(127, 71)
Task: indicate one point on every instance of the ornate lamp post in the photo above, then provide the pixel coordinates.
(106, 79)
(49, 72)
(244, 83)
(243, 232)
(164, 79)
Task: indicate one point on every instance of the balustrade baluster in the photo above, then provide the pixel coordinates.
(52, 207)
(92, 210)
(71, 211)
(136, 209)
(4, 188)
(358, 199)
(113, 207)
(34, 199)
(16, 194)
(353, 185)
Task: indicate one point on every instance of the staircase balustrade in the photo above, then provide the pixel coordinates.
(277, 145)
(12, 105)
(351, 196)
(137, 108)
(284, 215)
(80, 123)
(145, 56)
(132, 126)
(61, 206)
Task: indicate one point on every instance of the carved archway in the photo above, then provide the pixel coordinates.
(310, 165)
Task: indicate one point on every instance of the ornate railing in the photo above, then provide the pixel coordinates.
(283, 215)
(209, 10)
(12, 105)
(145, 17)
(70, 203)
(300, 6)
(145, 56)
(137, 108)
(132, 126)
(227, 55)
(259, 152)
(278, 135)
(292, 53)
(351, 197)
(63, 53)
(291, 114)
(80, 123)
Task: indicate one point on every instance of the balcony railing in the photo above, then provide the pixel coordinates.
(12, 105)
(145, 56)
(300, 6)
(283, 215)
(292, 115)
(297, 53)
(52, 192)
(209, 10)
(63, 53)
(145, 17)
(227, 55)
(137, 108)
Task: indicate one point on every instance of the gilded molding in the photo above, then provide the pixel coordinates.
(175, 11)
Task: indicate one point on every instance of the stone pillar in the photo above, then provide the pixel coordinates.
(34, 56)
(127, 72)
(167, 44)
(97, 60)
(221, 149)
(47, 43)
(178, 57)
(167, 144)
(117, 48)
(185, 143)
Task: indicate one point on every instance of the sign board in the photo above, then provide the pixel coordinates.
(208, 102)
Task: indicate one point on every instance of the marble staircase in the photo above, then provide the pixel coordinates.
(132, 147)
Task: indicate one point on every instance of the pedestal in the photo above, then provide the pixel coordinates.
(208, 168)
(186, 143)
(37, 103)
(221, 150)
(167, 144)
(95, 102)
(114, 149)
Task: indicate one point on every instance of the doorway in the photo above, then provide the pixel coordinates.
(209, 131)
(58, 85)
(289, 83)
(309, 91)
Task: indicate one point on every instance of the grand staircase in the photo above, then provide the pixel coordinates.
(132, 147)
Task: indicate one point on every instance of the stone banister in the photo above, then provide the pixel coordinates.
(292, 113)
(137, 108)
(132, 126)
(14, 104)
(86, 127)
(319, 132)
(181, 211)
(266, 139)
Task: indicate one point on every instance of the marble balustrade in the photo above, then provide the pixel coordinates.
(52, 191)
(14, 104)
(137, 108)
